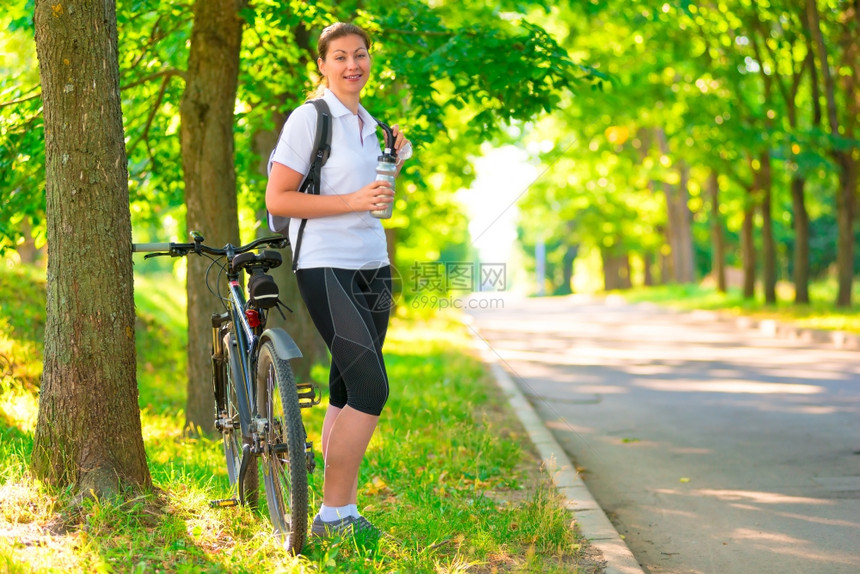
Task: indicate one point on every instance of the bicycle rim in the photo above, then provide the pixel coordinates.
(284, 463)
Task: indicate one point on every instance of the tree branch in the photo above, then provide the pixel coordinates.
(144, 136)
(775, 77)
(166, 74)
(21, 100)
(153, 38)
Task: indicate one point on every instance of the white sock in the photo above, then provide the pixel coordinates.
(332, 513)
(353, 511)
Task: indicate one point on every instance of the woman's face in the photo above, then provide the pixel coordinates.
(347, 65)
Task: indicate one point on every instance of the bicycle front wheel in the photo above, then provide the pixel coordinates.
(284, 462)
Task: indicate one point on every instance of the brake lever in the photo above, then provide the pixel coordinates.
(148, 255)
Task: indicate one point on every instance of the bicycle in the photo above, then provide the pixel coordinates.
(257, 401)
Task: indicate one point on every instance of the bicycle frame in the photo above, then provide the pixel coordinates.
(242, 328)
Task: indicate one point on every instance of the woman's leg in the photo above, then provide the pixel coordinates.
(348, 439)
(331, 415)
(338, 302)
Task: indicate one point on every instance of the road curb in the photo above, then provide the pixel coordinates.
(592, 521)
(834, 339)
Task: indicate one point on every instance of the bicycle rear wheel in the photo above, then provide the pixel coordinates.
(232, 436)
(284, 462)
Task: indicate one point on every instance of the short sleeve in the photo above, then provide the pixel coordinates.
(297, 140)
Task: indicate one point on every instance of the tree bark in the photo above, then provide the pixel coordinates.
(679, 219)
(28, 253)
(610, 270)
(647, 263)
(718, 242)
(567, 261)
(88, 433)
(764, 179)
(209, 173)
(748, 246)
(800, 215)
(847, 165)
(616, 270)
(801, 241)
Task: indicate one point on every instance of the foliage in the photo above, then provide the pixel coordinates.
(716, 86)
(22, 154)
(451, 74)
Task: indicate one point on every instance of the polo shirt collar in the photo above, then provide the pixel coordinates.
(338, 110)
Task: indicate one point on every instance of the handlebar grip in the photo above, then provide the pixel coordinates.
(141, 247)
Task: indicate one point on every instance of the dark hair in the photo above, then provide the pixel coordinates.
(333, 32)
(339, 30)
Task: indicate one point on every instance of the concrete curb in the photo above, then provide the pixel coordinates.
(768, 327)
(592, 521)
(779, 330)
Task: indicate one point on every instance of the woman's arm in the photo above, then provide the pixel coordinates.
(284, 199)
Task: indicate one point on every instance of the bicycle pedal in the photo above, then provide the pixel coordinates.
(309, 394)
(223, 503)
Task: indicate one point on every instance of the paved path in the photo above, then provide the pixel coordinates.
(713, 449)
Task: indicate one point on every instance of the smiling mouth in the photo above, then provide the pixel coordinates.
(355, 77)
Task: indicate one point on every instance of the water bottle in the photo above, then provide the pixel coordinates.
(386, 170)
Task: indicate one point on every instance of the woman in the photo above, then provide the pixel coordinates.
(343, 269)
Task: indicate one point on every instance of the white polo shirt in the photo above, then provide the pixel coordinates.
(354, 240)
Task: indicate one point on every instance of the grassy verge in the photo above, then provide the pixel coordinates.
(446, 475)
(821, 313)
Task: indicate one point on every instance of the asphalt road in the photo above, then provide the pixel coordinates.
(713, 449)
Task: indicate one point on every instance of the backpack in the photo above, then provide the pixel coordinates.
(313, 180)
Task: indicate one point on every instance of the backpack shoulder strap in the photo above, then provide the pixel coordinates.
(319, 156)
(322, 140)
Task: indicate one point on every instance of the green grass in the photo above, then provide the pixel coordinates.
(821, 313)
(448, 474)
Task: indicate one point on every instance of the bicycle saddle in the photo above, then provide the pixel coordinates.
(266, 259)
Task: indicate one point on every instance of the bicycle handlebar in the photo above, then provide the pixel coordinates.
(182, 249)
(142, 247)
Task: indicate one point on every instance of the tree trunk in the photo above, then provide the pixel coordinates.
(610, 274)
(679, 220)
(570, 252)
(209, 173)
(88, 433)
(847, 165)
(764, 180)
(801, 241)
(683, 215)
(718, 243)
(647, 263)
(28, 253)
(748, 246)
(624, 279)
(616, 271)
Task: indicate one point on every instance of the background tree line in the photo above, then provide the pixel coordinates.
(726, 138)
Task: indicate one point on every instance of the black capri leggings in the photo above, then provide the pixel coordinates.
(350, 309)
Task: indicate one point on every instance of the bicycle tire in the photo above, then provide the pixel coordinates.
(284, 462)
(232, 438)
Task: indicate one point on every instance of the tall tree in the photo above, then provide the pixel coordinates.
(841, 133)
(210, 176)
(88, 433)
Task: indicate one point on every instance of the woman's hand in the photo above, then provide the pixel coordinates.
(371, 197)
(402, 146)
